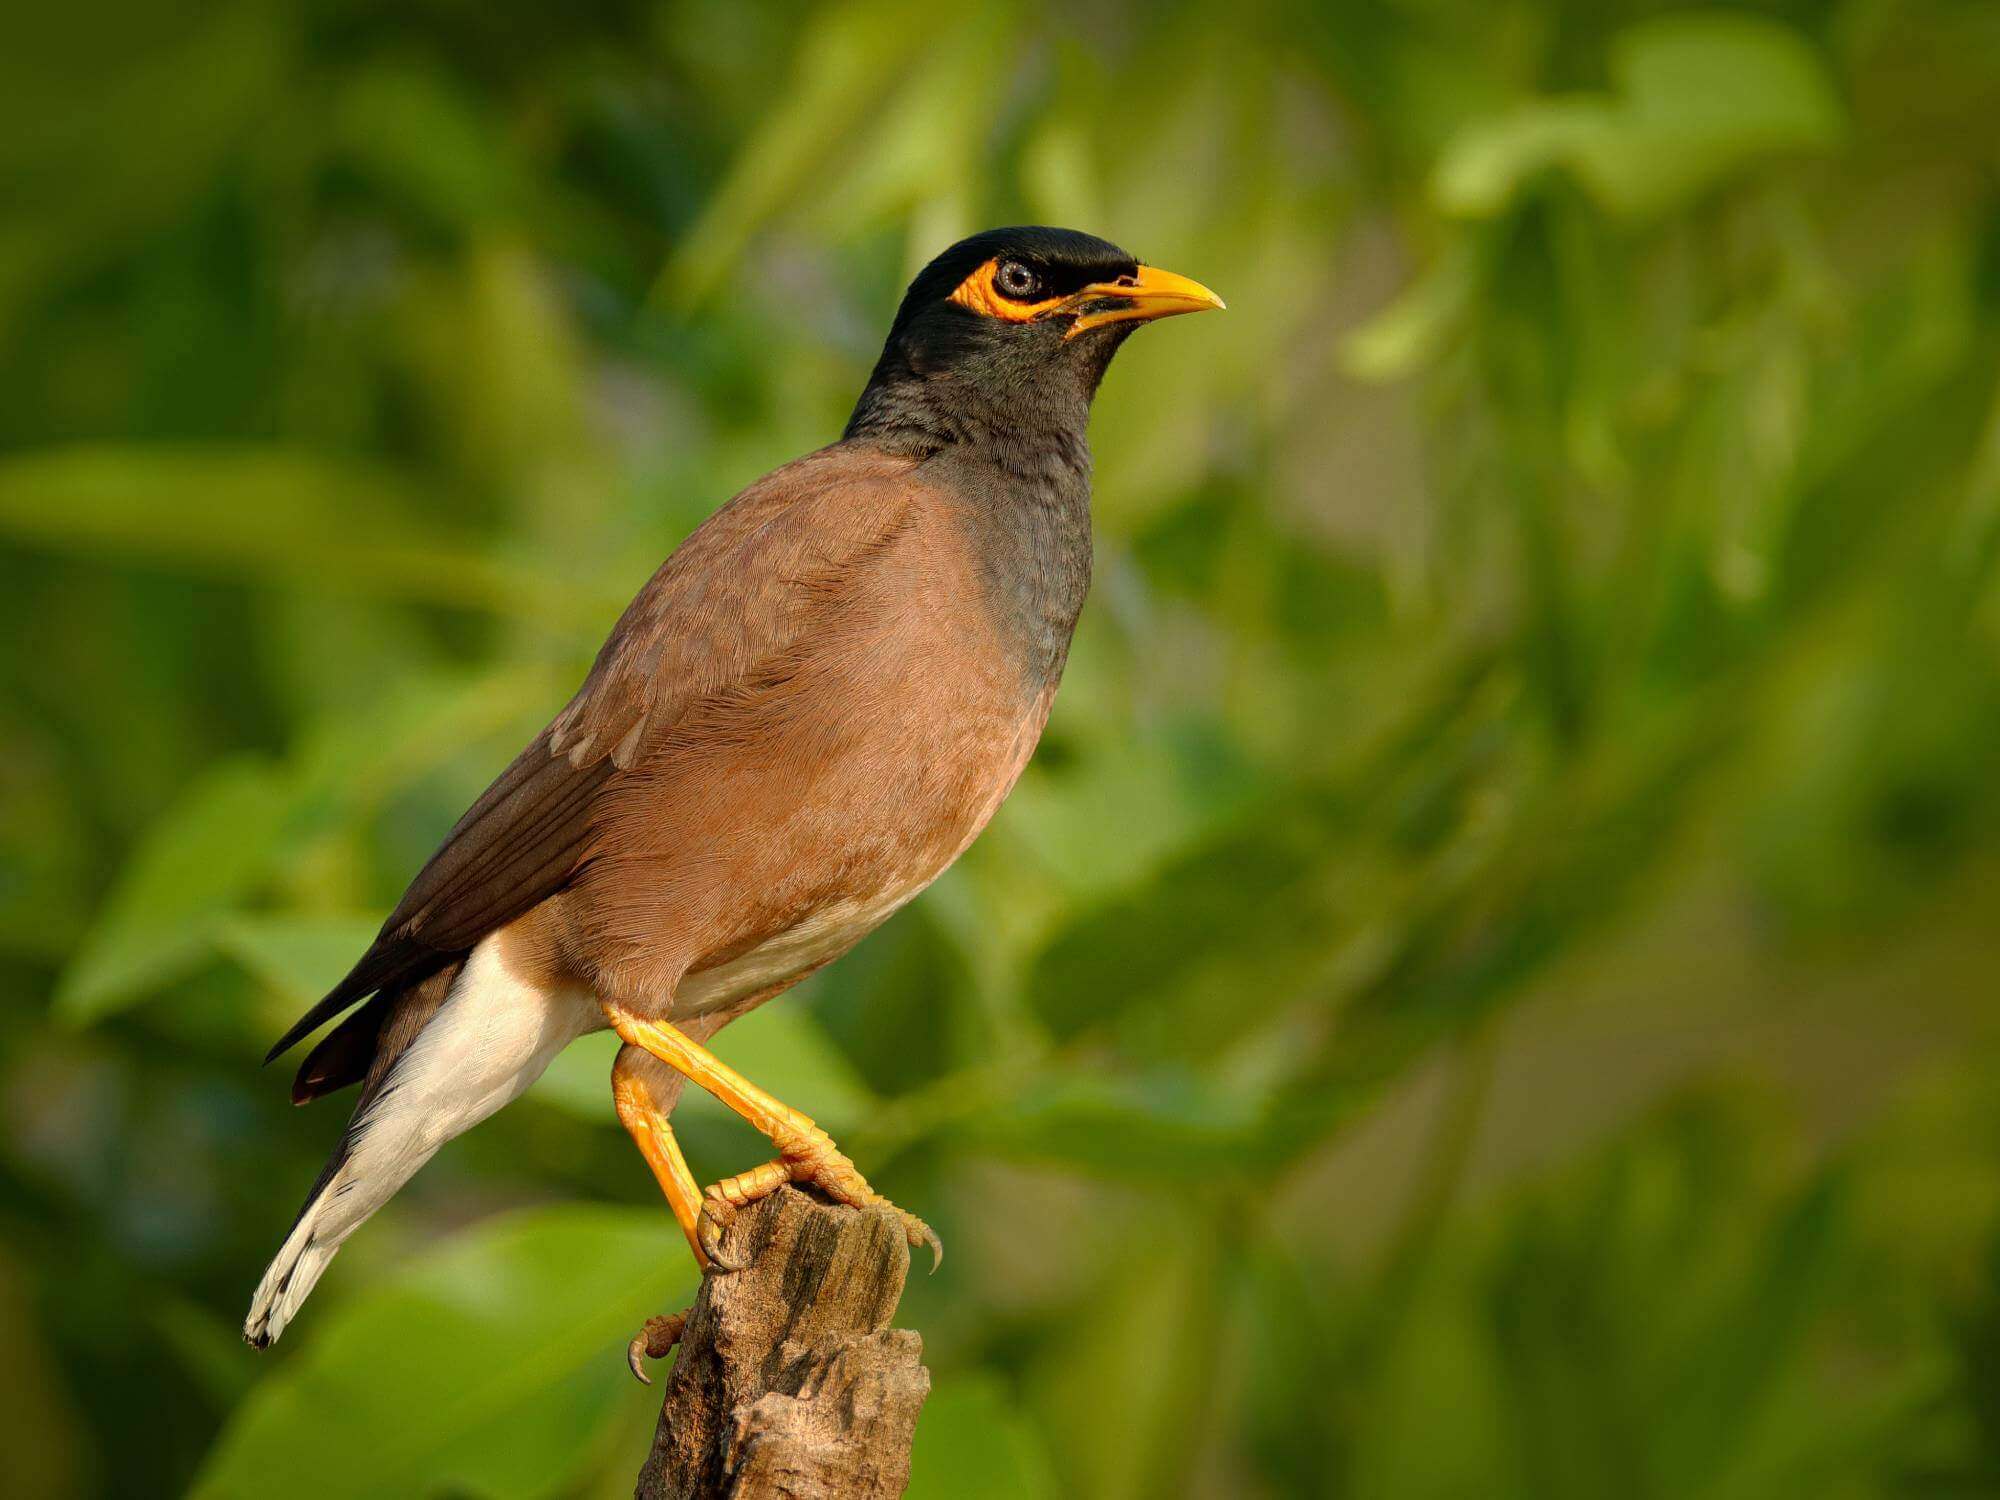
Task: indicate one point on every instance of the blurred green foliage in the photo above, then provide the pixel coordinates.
(1486, 988)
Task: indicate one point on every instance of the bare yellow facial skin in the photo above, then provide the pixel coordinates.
(1146, 294)
(979, 293)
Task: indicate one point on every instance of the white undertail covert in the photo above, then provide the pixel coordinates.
(492, 1038)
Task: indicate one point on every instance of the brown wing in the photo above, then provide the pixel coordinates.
(741, 592)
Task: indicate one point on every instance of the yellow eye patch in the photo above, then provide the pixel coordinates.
(979, 293)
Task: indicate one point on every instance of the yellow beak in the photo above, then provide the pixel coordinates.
(1149, 293)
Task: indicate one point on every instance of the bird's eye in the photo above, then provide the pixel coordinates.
(1017, 281)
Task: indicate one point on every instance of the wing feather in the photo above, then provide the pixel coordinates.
(734, 603)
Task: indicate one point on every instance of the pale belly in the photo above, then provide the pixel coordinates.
(819, 939)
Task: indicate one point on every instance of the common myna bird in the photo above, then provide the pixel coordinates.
(806, 715)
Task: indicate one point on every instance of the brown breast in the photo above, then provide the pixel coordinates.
(781, 821)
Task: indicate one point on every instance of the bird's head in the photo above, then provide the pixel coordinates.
(1019, 324)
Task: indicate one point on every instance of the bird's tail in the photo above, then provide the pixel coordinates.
(380, 1151)
(290, 1277)
(349, 1189)
(452, 1051)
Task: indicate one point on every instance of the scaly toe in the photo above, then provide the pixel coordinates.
(654, 1341)
(836, 1176)
(718, 1216)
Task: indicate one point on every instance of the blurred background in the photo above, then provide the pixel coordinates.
(1487, 987)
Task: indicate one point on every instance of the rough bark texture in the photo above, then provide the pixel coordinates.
(789, 1381)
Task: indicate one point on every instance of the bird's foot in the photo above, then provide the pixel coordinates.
(654, 1341)
(806, 1156)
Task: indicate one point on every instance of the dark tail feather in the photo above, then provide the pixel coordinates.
(360, 1048)
(344, 1053)
(390, 963)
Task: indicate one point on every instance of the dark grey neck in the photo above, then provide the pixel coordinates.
(1028, 518)
(1024, 480)
(969, 382)
(921, 415)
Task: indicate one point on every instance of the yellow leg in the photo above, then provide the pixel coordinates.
(646, 1123)
(805, 1152)
(640, 1113)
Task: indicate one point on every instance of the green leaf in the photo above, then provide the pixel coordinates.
(918, 143)
(48, 1449)
(301, 957)
(1700, 97)
(1760, 1337)
(414, 130)
(179, 892)
(1408, 333)
(266, 515)
(1162, 1127)
(105, 136)
(973, 1443)
(846, 64)
(193, 865)
(1127, 1361)
(494, 1366)
(1239, 897)
(888, 1004)
(209, 1349)
(578, 1082)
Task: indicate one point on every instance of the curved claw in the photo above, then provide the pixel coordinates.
(920, 1233)
(717, 1216)
(654, 1341)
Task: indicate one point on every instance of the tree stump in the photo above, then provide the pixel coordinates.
(789, 1381)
